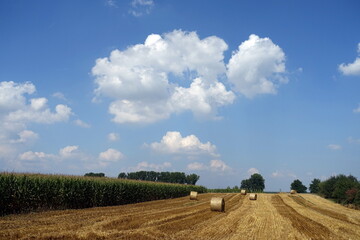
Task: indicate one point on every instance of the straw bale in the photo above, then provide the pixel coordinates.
(193, 195)
(293, 191)
(217, 204)
(253, 196)
(243, 192)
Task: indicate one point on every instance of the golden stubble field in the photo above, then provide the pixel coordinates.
(272, 216)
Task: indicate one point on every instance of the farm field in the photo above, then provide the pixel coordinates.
(271, 216)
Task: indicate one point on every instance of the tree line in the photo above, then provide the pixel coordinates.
(168, 177)
(341, 188)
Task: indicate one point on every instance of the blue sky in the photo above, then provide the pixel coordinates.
(221, 89)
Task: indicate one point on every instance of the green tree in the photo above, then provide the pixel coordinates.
(314, 185)
(122, 175)
(298, 186)
(192, 179)
(342, 185)
(256, 183)
(245, 184)
(326, 188)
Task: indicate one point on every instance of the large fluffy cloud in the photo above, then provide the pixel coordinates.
(257, 67)
(148, 82)
(174, 143)
(351, 68)
(140, 79)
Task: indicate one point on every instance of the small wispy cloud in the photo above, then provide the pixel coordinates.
(111, 3)
(141, 7)
(252, 171)
(146, 166)
(283, 174)
(60, 96)
(113, 137)
(334, 147)
(213, 166)
(357, 110)
(352, 140)
(81, 123)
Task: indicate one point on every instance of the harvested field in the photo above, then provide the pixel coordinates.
(271, 216)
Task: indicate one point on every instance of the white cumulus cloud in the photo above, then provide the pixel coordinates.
(68, 151)
(12, 95)
(111, 155)
(35, 156)
(140, 79)
(26, 136)
(17, 111)
(70, 157)
(351, 68)
(219, 165)
(257, 67)
(174, 143)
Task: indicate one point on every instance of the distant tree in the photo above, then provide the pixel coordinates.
(91, 174)
(326, 188)
(314, 185)
(122, 175)
(177, 177)
(256, 183)
(298, 186)
(192, 179)
(343, 184)
(245, 184)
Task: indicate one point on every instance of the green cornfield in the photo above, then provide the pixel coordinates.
(21, 193)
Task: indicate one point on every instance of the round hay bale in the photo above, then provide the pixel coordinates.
(253, 196)
(243, 192)
(293, 191)
(217, 204)
(193, 195)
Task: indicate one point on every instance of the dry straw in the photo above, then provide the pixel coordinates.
(243, 192)
(293, 192)
(253, 196)
(193, 195)
(217, 204)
